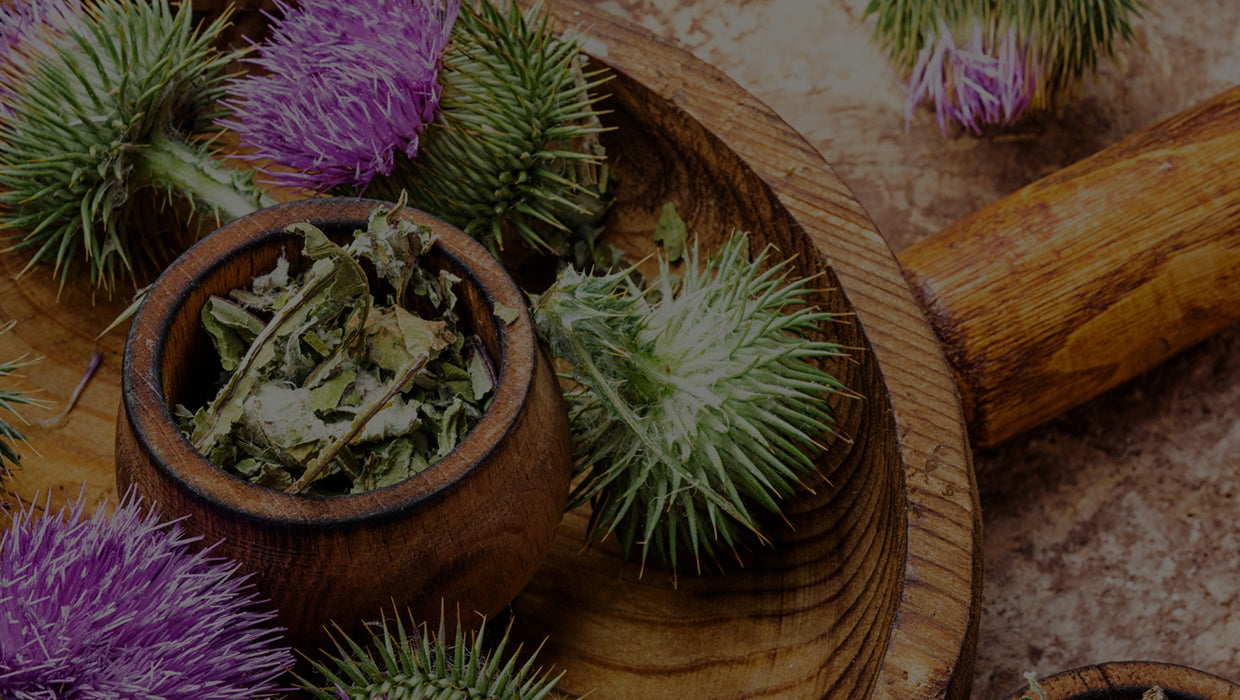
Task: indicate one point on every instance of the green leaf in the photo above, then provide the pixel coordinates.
(231, 329)
(328, 394)
(481, 374)
(505, 313)
(671, 233)
(395, 337)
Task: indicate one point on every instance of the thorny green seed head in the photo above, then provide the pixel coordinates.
(514, 153)
(700, 403)
(400, 664)
(87, 100)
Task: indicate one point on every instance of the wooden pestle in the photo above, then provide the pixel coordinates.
(1090, 276)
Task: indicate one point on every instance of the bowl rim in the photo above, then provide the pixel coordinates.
(176, 460)
(1109, 677)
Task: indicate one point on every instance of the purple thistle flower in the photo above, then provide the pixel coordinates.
(348, 84)
(121, 608)
(20, 22)
(973, 85)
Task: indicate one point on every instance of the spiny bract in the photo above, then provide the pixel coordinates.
(425, 666)
(699, 401)
(108, 112)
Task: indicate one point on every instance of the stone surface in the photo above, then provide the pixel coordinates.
(1110, 533)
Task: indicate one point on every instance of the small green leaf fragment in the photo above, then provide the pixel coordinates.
(328, 394)
(481, 374)
(396, 336)
(232, 329)
(452, 427)
(507, 314)
(392, 421)
(268, 291)
(286, 416)
(398, 461)
(273, 476)
(671, 233)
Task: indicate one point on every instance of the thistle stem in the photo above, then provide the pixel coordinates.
(174, 164)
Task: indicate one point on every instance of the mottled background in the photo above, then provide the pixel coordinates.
(1110, 534)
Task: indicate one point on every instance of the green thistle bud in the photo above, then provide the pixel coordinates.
(514, 151)
(700, 402)
(403, 666)
(110, 115)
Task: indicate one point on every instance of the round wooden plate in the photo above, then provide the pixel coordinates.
(871, 590)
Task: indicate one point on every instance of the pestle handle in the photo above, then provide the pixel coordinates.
(1090, 276)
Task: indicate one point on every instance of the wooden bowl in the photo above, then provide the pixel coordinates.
(1130, 680)
(874, 589)
(871, 590)
(467, 533)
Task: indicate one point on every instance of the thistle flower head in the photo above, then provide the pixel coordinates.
(347, 86)
(974, 84)
(107, 103)
(20, 22)
(1016, 55)
(121, 608)
(418, 664)
(701, 402)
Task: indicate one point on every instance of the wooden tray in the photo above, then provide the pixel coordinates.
(874, 589)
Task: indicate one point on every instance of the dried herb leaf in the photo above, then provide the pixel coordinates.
(395, 337)
(231, 328)
(506, 314)
(671, 233)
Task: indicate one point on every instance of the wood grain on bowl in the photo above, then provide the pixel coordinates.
(1133, 680)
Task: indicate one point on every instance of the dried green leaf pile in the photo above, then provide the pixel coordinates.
(327, 392)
